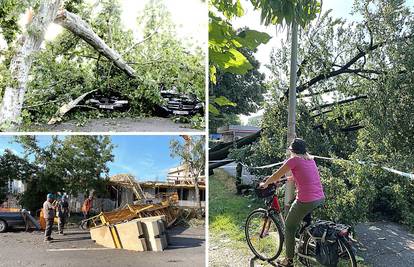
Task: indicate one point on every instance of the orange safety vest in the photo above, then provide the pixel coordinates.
(87, 205)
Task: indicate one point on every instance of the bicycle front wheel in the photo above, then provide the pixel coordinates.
(345, 253)
(264, 235)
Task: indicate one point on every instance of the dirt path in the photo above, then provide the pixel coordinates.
(222, 254)
(153, 124)
(385, 244)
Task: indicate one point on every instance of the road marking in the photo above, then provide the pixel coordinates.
(74, 249)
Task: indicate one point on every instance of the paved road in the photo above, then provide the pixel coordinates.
(153, 124)
(18, 248)
(385, 244)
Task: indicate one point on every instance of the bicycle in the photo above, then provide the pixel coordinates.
(264, 231)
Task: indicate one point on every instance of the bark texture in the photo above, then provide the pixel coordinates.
(21, 63)
(67, 107)
(79, 27)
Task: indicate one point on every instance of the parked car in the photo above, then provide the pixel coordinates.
(11, 219)
(107, 101)
(180, 104)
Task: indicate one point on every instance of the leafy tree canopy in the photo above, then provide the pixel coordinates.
(73, 164)
(354, 96)
(245, 91)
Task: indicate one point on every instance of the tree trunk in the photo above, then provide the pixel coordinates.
(239, 172)
(79, 27)
(291, 125)
(197, 192)
(21, 62)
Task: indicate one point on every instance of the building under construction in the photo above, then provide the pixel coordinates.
(124, 189)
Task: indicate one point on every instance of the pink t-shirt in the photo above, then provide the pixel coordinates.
(308, 182)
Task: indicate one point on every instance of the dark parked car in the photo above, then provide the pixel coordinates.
(180, 104)
(107, 101)
(11, 219)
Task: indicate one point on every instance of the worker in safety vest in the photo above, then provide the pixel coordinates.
(86, 207)
(49, 215)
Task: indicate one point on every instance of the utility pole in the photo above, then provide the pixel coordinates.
(291, 132)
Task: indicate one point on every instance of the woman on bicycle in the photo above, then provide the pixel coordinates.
(309, 192)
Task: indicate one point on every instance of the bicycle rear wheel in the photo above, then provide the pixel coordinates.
(345, 252)
(264, 235)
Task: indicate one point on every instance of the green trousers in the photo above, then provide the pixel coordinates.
(297, 212)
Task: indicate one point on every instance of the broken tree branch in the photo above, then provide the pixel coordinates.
(67, 107)
(348, 100)
(140, 42)
(79, 27)
(345, 68)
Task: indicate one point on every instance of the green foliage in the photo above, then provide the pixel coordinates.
(68, 67)
(242, 94)
(377, 129)
(10, 11)
(285, 11)
(192, 152)
(224, 44)
(73, 164)
(228, 212)
(221, 119)
(228, 8)
(13, 167)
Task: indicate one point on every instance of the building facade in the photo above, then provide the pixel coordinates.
(230, 133)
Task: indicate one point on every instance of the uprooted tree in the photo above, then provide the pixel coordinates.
(95, 52)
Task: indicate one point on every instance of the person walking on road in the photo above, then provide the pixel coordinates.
(63, 213)
(49, 215)
(86, 207)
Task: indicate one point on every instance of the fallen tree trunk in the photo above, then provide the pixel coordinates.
(223, 152)
(21, 62)
(79, 27)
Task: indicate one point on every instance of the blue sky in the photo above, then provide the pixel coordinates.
(146, 157)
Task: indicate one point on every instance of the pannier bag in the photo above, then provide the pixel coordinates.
(326, 235)
(327, 253)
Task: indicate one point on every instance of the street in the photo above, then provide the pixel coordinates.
(146, 124)
(75, 248)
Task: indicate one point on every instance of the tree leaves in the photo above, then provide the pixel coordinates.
(223, 101)
(286, 11)
(73, 163)
(224, 45)
(251, 39)
(228, 8)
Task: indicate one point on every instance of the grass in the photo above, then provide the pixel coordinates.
(228, 212)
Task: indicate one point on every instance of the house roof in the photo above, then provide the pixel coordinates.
(238, 128)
